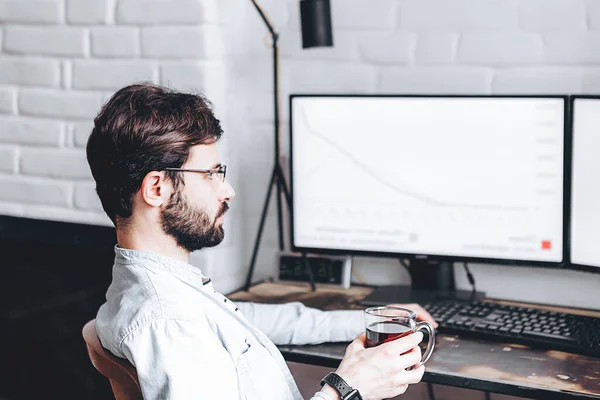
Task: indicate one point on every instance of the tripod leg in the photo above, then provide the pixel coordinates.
(284, 187)
(309, 272)
(260, 230)
(279, 213)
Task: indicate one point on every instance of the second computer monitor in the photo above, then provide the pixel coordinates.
(473, 177)
(585, 197)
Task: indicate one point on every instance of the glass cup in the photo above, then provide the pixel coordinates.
(387, 323)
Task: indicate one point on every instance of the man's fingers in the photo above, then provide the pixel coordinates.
(413, 376)
(403, 344)
(410, 359)
(422, 315)
(401, 389)
(358, 343)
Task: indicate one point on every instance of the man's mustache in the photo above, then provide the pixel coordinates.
(223, 210)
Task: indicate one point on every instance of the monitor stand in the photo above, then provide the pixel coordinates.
(431, 281)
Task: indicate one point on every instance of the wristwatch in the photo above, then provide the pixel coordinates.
(340, 385)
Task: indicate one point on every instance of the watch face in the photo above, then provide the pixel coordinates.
(353, 395)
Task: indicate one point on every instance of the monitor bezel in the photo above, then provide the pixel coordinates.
(439, 258)
(569, 263)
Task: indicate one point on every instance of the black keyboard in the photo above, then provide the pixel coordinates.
(521, 325)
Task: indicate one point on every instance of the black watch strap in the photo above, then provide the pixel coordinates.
(340, 385)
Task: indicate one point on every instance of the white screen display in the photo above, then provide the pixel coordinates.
(446, 176)
(585, 208)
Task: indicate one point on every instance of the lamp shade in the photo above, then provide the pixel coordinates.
(315, 16)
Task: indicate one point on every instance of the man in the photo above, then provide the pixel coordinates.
(153, 155)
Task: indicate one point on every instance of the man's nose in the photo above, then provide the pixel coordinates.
(227, 192)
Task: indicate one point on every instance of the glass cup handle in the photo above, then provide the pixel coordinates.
(430, 344)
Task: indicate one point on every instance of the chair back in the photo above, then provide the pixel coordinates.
(121, 374)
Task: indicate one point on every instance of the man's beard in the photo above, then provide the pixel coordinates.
(191, 227)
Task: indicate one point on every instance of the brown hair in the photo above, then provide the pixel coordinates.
(144, 128)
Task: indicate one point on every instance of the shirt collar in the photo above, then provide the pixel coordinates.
(154, 260)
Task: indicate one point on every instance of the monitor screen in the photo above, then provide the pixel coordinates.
(585, 191)
(476, 177)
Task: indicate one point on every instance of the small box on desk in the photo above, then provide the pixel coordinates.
(330, 270)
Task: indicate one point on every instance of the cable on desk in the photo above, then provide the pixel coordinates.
(405, 264)
(357, 275)
(470, 277)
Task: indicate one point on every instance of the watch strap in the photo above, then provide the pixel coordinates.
(339, 384)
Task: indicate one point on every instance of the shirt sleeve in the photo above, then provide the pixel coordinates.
(173, 364)
(296, 324)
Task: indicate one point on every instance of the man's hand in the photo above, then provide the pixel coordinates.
(381, 372)
(422, 315)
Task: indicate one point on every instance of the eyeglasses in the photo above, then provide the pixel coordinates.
(221, 171)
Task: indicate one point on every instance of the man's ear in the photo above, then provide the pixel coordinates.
(156, 189)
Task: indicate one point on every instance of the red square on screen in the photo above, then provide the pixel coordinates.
(546, 244)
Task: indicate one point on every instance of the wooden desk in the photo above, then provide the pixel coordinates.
(469, 363)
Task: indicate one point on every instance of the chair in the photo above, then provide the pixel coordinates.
(121, 374)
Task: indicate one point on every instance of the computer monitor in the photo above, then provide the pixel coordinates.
(585, 191)
(455, 178)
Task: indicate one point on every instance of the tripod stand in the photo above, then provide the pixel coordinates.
(277, 178)
(316, 32)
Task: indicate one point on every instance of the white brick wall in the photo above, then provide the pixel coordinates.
(80, 132)
(30, 12)
(89, 12)
(8, 100)
(498, 49)
(543, 80)
(30, 131)
(29, 71)
(46, 41)
(431, 80)
(86, 197)
(111, 75)
(115, 42)
(438, 48)
(33, 190)
(320, 76)
(459, 15)
(60, 59)
(211, 76)
(182, 42)
(163, 12)
(593, 14)
(66, 164)
(346, 47)
(397, 48)
(572, 48)
(59, 103)
(553, 15)
(8, 159)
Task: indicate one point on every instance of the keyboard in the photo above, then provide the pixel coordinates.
(521, 325)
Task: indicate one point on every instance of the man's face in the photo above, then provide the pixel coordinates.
(194, 215)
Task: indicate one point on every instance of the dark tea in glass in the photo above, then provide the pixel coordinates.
(381, 332)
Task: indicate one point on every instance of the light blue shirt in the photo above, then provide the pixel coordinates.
(188, 341)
